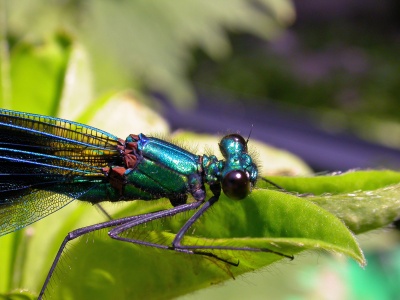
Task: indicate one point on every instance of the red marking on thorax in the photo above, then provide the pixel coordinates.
(116, 174)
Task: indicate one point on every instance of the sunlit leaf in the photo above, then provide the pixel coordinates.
(268, 219)
(364, 200)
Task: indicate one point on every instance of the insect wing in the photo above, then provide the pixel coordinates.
(45, 163)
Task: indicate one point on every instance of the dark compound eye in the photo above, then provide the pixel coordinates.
(232, 143)
(236, 138)
(236, 185)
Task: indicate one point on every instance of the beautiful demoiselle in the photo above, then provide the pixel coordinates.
(46, 162)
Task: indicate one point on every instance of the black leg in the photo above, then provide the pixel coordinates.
(112, 223)
(103, 211)
(176, 244)
(124, 224)
(274, 184)
(181, 233)
(286, 191)
(115, 232)
(71, 236)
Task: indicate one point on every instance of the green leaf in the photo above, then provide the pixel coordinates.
(77, 85)
(149, 42)
(365, 210)
(267, 219)
(364, 200)
(18, 295)
(336, 183)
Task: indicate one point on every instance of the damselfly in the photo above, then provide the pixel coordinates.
(46, 162)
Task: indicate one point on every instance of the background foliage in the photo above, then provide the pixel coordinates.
(83, 59)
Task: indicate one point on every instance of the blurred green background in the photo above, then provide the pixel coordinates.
(338, 61)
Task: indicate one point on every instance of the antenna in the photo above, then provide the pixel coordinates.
(251, 130)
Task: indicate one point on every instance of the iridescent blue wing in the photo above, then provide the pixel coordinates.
(45, 163)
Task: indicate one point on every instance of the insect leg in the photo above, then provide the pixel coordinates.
(115, 232)
(112, 223)
(284, 190)
(103, 211)
(176, 244)
(274, 184)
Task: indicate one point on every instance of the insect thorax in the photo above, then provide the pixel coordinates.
(212, 169)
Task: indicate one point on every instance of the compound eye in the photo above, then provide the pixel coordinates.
(235, 139)
(236, 185)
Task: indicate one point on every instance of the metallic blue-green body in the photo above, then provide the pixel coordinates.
(163, 169)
